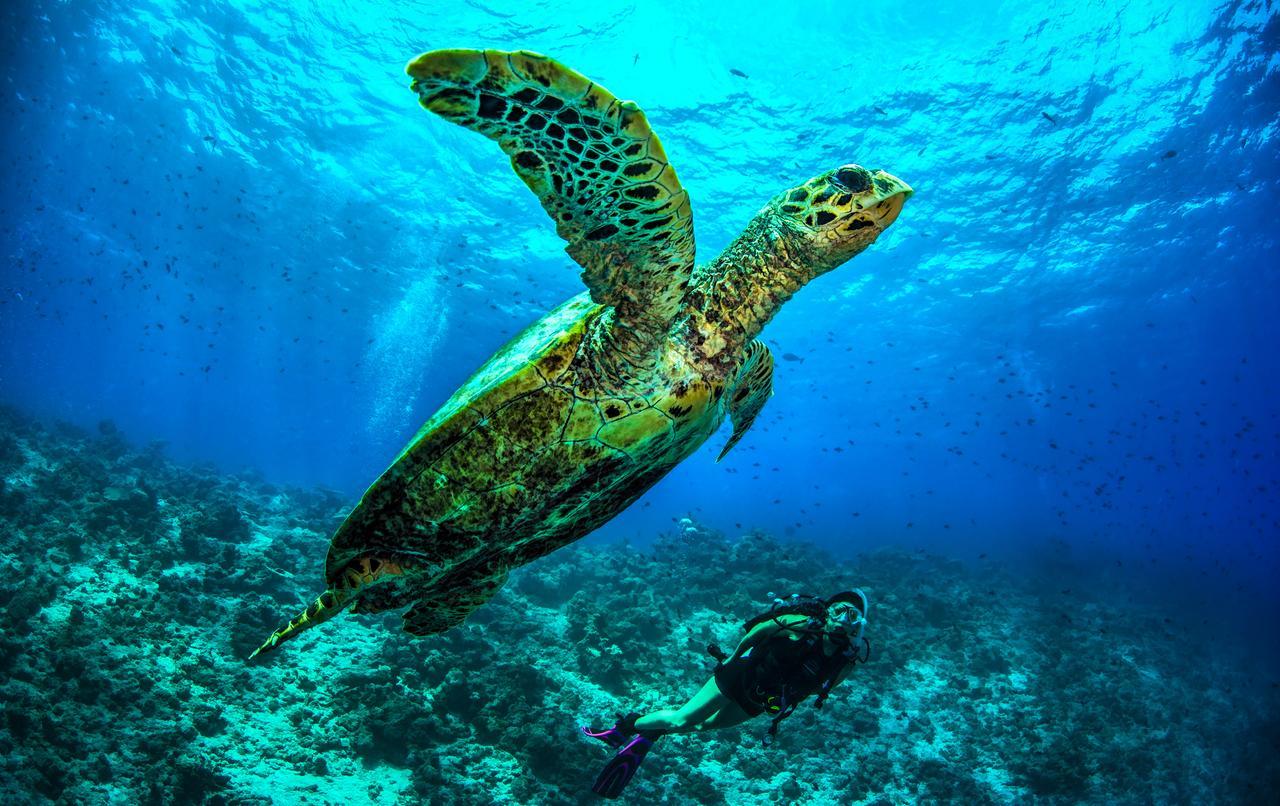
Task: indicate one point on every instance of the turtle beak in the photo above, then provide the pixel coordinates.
(892, 193)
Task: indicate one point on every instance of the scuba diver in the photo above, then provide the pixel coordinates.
(801, 646)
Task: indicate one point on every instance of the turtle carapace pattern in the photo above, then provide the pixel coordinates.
(591, 405)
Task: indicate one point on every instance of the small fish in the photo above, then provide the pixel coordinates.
(1168, 155)
(792, 357)
(735, 71)
(1049, 118)
(879, 110)
(636, 59)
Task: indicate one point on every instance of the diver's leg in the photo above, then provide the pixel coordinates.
(728, 716)
(615, 775)
(687, 717)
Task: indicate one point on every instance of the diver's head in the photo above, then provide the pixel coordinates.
(837, 214)
(847, 613)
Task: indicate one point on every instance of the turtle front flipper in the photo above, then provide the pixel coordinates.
(754, 385)
(593, 162)
(439, 613)
(354, 581)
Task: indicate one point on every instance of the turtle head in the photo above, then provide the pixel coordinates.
(837, 214)
(801, 233)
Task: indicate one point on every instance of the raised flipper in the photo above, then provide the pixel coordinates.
(593, 162)
(354, 581)
(753, 386)
(437, 614)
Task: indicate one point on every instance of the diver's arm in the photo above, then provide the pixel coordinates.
(764, 631)
(843, 674)
(848, 667)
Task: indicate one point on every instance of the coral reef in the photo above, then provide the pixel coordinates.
(134, 588)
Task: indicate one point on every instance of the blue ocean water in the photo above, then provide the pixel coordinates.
(230, 227)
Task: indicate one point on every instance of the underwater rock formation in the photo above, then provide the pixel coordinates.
(134, 588)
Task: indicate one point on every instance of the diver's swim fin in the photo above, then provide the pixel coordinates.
(622, 767)
(616, 736)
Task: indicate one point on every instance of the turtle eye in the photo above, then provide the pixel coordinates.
(855, 180)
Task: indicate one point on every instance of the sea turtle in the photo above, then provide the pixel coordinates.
(585, 410)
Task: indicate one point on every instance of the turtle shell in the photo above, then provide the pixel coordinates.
(520, 461)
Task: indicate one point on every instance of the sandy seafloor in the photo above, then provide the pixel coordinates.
(134, 588)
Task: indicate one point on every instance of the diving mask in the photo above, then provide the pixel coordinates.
(852, 613)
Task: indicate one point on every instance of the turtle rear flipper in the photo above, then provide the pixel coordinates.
(592, 160)
(329, 604)
(353, 582)
(438, 614)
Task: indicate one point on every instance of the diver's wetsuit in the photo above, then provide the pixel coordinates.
(779, 671)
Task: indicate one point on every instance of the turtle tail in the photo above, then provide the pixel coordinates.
(352, 582)
(329, 604)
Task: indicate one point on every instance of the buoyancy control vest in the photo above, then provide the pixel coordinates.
(791, 664)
